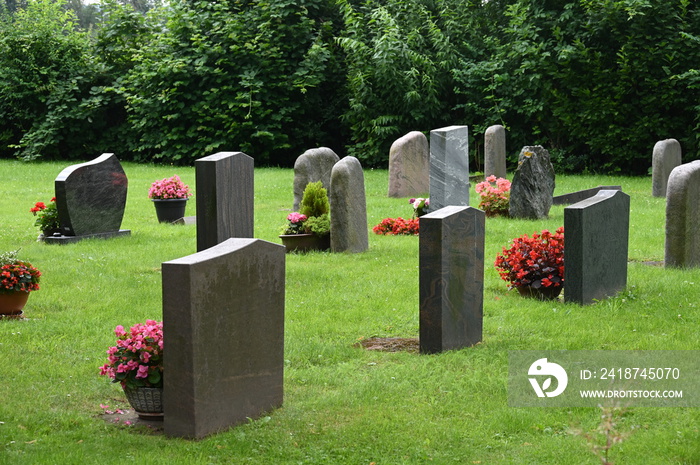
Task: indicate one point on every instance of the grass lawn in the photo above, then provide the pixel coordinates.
(343, 405)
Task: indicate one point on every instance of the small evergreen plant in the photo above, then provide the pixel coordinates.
(315, 202)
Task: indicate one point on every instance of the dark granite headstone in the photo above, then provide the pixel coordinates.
(533, 184)
(349, 207)
(223, 320)
(451, 257)
(575, 197)
(409, 166)
(312, 166)
(495, 151)
(683, 216)
(90, 199)
(224, 197)
(596, 238)
(665, 157)
(449, 167)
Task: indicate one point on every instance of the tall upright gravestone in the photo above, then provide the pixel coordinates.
(495, 151)
(449, 167)
(665, 157)
(223, 316)
(90, 200)
(312, 166)
(451, 256)
(409, 166)
(596, 232)
(532, 189)
(683, 216)
(225, 196)
(348, 207)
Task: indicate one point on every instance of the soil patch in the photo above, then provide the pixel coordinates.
(391, 344)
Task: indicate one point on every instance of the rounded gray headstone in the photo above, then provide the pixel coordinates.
(409, 166)
(683, 216)
(495, 151)
(665, 157)
(312, 166)
(348, 207)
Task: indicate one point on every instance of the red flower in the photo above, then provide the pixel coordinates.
(533, 261)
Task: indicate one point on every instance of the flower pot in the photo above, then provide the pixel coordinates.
(540, 293)
(11, 304)
(146, 401)
(305, 242)
(170, 210)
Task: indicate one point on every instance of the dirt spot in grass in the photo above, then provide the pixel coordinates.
(390, 344)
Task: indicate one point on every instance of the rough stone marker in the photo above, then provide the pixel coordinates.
(532, 189)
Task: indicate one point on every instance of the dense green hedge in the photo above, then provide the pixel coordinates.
(596, 82)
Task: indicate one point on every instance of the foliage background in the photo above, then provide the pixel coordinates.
(596, 82)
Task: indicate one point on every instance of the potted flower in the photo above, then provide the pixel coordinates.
(495, 196)
(136, 362)
(534, 265)
(170, 197)
(17, 279)
(310, 228)
(420, 206)
(47, 218)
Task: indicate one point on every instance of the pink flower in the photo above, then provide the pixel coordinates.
(296, 217)
(142, 371)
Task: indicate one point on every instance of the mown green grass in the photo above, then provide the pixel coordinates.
(343, 405)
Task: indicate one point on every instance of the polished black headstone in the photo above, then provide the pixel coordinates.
(575, 197)
(224, 197)
(91, 198)
(451, 278)
(596, 235)
(223, 316)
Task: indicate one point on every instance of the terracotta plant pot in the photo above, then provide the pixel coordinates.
(540, 293)
(305, 242)
(11, 304)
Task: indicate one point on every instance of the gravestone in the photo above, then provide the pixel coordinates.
(449, 167)
(90, 199)
(409, 167)
(451, 258)
(312, 166)
(683, 216)
(596, 238)
(533, 184)
(495, 151)
(348, 207)
(665, 157)
(223, 316)
(575, 197)
(224, 197)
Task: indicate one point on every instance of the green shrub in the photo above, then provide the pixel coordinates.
(314, 202)
(319, 225)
